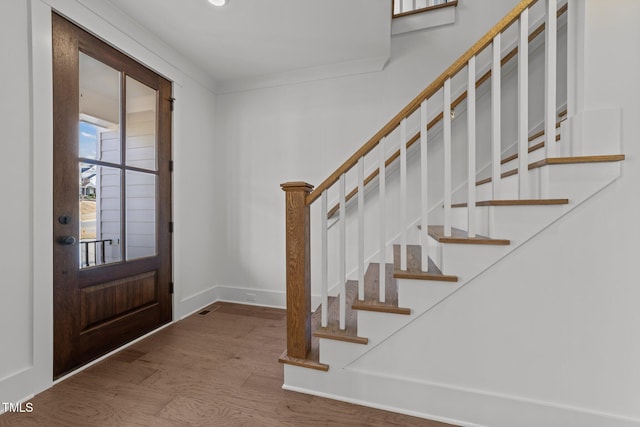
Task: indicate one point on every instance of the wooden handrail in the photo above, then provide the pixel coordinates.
(486, 76)
(427, 93)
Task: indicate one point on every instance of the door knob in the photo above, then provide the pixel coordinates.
(67, 240)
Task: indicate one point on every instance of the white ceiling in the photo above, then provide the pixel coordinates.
(253, 39)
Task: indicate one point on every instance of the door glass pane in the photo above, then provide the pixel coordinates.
(141, 125)
(141, 214)
(99, 133)
(100, 215)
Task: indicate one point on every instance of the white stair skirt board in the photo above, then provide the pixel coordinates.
(453, 404)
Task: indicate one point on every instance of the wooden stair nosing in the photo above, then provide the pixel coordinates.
(523, 202)
(371, 301)
(577, 160)
(332, 330)
(549, 161)
(461, 237)
(414, 266)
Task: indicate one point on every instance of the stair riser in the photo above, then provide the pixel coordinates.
(378, 326)
(573, 181)
(467, 260)
(518, 223)
(580, 181)
(338, 354)
(421, 295)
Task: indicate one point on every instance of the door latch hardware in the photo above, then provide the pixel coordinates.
(67, 240)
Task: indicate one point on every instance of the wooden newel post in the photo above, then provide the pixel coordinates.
(298, 268)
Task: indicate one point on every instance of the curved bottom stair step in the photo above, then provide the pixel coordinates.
(312, 360)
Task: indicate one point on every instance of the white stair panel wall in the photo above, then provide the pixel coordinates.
(421, 295)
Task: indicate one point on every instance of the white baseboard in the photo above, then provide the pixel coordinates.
(454, 404)
(379, 406)
(187, 306)
(232, 294)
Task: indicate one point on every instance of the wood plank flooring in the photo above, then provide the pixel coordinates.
(218, 369)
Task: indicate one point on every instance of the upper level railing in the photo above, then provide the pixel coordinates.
(300, 196)
(410, 7)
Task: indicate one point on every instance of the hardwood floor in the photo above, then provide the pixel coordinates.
(218, 369)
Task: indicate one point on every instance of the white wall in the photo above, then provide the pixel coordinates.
(26, 120)
(16, 353)
(305, 131)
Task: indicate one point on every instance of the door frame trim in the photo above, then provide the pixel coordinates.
(37, 374)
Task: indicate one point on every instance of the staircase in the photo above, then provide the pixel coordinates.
(434, 237)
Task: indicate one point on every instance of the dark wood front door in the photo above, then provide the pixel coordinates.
(112, 198)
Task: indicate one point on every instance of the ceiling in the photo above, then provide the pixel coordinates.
(254, 39)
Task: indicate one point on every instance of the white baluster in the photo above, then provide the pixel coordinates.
(403, 194)
(424, 207)
(551, 47)
(551, 43)
(383, 218)
(496, 114)
(361, 228)
(523, 106)
(447, 157)
(471, 132)
(324, 267)
(343, 254)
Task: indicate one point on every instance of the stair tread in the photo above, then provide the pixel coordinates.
(414, 266)
(560, 161)
(332, 330)
(312, 360)
(371, 300)
(461, 236)
(522, 202)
